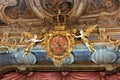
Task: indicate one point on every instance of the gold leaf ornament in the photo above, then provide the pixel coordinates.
(59, 45)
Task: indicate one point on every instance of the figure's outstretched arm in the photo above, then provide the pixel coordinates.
(76, 36)
(39, 40)
(28, 40)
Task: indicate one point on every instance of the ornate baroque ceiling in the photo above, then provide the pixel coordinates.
(35, 11)
(36, 14)
(19, 17)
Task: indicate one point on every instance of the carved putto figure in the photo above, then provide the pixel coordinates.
(35, 39)
(83, 35)
(32, 41)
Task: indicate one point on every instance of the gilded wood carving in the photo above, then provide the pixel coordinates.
(52, 27)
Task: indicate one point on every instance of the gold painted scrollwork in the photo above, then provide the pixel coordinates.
(3, 16)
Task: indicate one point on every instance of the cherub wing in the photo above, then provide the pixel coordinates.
(90, 29)
(39, 36)
(28, 35)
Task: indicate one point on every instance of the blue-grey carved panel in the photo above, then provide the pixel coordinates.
(81, 54)
(7, 59)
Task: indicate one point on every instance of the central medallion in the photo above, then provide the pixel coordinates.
(58, 45)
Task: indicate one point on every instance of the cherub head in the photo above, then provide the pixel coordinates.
(43, 30)
(35, 36)
(74, 31)
(83, 33)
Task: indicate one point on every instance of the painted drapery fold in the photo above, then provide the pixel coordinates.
(61, 76)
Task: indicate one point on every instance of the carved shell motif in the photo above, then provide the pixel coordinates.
(104, 56)
(25, 59)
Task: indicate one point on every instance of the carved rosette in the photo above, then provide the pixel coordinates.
(59, 45)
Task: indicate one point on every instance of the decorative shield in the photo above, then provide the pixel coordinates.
(59, 45)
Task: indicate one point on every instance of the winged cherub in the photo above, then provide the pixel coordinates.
(83, 35)
(33, 41)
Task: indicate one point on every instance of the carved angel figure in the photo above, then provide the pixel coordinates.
(33, 41)
(83, 35)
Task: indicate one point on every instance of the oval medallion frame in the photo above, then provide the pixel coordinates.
(68, 49)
